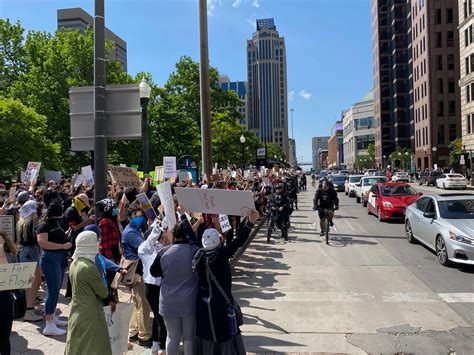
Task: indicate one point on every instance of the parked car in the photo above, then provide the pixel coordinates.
(452, 181)
(400, 177)
(372, 172)
(390, 200)
(445, 224)
(349, 185)
(429, 177)
(338, 182)
(364, 185)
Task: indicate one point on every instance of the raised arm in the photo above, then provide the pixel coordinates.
(230, 249)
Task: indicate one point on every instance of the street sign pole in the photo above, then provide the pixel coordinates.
(100, 138)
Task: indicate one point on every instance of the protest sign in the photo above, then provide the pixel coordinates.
(52, 175)
(233, 174)
(32, 171)
(12, 193)
(117, 325)
(146, 206)
(16, 275)
(77, 180)
(87, 172)
(183, 177)
(229, 202)
(246, 174)
(159, 174)
(166, 198)
(224, 222)
(7, 225)
(169, 164)
(124, 177)
(133, 166)
(123, 165)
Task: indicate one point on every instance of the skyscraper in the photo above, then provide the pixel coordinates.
(267, 85)
(240, 88)
(319, 144)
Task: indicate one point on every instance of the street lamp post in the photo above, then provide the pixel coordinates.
(242, 143)
(384, 160)
(407, 161)
(434, 149)
(145, 91)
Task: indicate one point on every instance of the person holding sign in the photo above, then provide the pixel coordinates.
(8, 252)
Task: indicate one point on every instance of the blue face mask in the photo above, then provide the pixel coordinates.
(137, 221)
(115, 212)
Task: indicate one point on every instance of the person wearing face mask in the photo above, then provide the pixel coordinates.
(52, 239)
(132, 237)
(217, 332)
(109, 230)
(88, 333)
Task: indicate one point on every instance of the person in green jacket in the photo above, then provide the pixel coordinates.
(87, 328)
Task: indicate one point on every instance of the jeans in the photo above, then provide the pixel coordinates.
(53, 265)
(159, 329)
(185, 326)
(30, 253)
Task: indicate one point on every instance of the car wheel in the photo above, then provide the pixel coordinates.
(368, 210)
(357, 199)
(442, 252)
(347, 193)
(379, 215)
(411, 239)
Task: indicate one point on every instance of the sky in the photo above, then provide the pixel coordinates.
(328, 44)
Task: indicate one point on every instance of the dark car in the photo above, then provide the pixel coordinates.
(338, 181)
(429, 177)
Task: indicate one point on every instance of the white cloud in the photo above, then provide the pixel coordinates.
(291, 95)
(305, 95)
(236, 3)
(256, 3)
(251, 23)
(211, 6)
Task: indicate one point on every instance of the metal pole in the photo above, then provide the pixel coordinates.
(243, 156)
(205, 92)
(100, 120)
(144, 104)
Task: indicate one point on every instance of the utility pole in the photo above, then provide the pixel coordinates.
(205, 92)
(100, 120)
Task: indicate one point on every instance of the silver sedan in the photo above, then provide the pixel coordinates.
(445, 224)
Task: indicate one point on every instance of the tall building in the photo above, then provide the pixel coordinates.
(466, 83)
(318, 144)
(267, 85)
(77, 18)
(436, 105)
(292, 156)
(240, 88)
(359, 130)
(392, 74)
(336, 147)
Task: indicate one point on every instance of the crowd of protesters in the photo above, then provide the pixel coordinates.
(180, 274)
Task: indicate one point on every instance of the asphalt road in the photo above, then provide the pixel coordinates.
(369, 291)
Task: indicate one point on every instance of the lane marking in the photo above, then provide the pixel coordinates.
(457, 297)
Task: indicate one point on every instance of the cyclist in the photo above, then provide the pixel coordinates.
(325, 198)
(282, 205)
(303, 182)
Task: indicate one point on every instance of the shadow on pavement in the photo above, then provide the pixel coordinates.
(261, 343)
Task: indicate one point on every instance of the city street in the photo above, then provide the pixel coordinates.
(369, 291)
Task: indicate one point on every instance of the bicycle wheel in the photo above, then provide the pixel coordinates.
(326, 229)
(269, 231)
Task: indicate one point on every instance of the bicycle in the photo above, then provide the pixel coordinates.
(272, 221)
(326, 225)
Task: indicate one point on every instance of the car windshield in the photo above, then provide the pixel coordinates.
(457, 209)
(455, 176)
(355, 179)
(373, 181)
(338, 179)
(403, 190)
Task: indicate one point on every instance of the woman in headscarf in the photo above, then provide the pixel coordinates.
(217, 333)
(88, 332)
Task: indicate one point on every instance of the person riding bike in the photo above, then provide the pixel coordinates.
(282, 205)
(303, 182)
(325, 199)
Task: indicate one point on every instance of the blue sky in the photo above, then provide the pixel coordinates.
(328, 45)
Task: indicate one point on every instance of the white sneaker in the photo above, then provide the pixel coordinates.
(31, 316)
(59, 322)
(53, 330)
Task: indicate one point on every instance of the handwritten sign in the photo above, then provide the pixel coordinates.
(32, 171)
(7, 225)
(229, 202)
(169, 164)
(159, 174)
(87, 172)
(146, 206)
(117, 325)
(224, 222)
(166, 198)
(124, 177)
(16, 275)
(12, 193)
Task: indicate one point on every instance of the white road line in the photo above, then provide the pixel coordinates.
(457, 297)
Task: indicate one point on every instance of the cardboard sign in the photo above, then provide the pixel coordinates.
(146, 206)
(117, 325)
(225, 223)
(87, 172)
(124, 177)
(12, 193)
(166, 198)
(159, 174)
(52, 175)
(16, 275)
(169, 164)
(32, 171)
(7, 224)
(228, 202)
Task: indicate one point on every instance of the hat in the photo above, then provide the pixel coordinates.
(93, 228)
(85, 199)
(54, 210)
(210, 239)
(106, 204)
(23, 197)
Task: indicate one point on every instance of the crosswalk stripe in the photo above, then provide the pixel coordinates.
(457, 297)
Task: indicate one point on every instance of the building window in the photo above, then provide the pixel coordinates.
(440, 86)
(472, 62)
(468, 93)
(450, 61)
(438, 16)
(440, 62)
(450, 41)
(469, 124)
(449, 15)
(440, 110)
(467, 65)
(451, 87)
(452, 108)
(439, 39)
(441, 137)
(466, 37)
(452, 132)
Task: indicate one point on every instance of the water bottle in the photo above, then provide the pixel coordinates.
(232, 322)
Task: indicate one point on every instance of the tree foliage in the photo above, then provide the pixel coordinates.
(456, 149)
(401, 158)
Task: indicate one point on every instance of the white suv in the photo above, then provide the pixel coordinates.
(351, 181)
(363, 187)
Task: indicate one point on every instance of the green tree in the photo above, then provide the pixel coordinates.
(23, 139)
(371, 152)
(401, 158)
(12, 63)
(456, 149)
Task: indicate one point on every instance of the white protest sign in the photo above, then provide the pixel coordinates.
(462, 161)
(228, 202)
(124, 176)
(159, 174)
(16, 275)
(233, 175)
(7, 225)
(87, 172)
(166, 198)
(52, 175)
(224, 222)
(169, 164)
(32, 171)
(123, 165)
(117, 325)
(246, 174)
(12, 193)
(78, 180)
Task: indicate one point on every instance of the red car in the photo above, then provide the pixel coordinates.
(390, 200)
